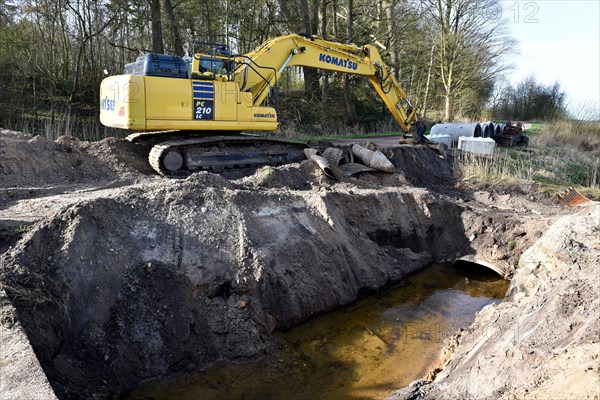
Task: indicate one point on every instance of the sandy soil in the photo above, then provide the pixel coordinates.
(543, 342)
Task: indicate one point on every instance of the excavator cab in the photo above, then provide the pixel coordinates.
(210, 68)
(212, 61)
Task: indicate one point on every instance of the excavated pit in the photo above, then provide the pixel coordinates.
(142, 277)
(176, 275)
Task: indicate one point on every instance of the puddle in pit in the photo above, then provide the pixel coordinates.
(364, 351)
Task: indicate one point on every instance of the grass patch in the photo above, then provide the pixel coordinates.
(562, 167)
(581, 134)
(504, 166)
(535, 128)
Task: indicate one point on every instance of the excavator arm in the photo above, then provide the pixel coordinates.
(259, 70)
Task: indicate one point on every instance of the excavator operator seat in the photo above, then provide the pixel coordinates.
(211, 67)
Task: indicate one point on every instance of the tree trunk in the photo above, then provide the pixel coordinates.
(336, 34)
(312, 88)
(390, 17)
(157, 35)
(325, 84)
(449, 107)
(311, 77)
(314, 21)
(351, 110)
(173, 27)
(428, 82)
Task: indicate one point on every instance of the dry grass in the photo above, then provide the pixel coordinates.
(501, 167)
(580, 134)
(64, 123)
(564, 153)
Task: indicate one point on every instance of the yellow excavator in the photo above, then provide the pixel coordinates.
(191, 108)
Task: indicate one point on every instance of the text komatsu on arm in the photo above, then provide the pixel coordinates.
(219, 92)
(314, 52)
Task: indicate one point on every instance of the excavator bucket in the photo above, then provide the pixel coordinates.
(572, 198)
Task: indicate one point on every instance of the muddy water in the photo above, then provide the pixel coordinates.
(364, 351)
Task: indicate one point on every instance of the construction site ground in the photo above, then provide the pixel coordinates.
(112, 275)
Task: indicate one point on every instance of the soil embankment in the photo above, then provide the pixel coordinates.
(543, 342)
(113, 275)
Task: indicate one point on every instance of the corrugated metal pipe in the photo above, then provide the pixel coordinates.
(499, 129)
(373, 159)
(312, 155)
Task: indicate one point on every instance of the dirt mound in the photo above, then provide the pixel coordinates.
(31, 162)
(292, 177)
(501, 225)
(173, 275)
(418, 165)
(543, 341)
(307, 176)
(422, 166)
(121, 156)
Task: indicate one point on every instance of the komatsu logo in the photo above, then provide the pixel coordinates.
(262, 115)
(107, 104)
(326, 58)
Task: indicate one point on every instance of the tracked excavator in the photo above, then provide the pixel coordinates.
(193, 110)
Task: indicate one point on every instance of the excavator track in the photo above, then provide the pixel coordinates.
(177, 158)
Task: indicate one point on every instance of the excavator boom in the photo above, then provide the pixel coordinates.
(315, 52)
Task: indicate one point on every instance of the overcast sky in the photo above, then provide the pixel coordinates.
(558, 41)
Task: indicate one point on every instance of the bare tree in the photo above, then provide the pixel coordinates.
(7, 10)
(173, 27)
(351, 110)
(428, 83)
(325, 83)
(471, 40)
(310, 19)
